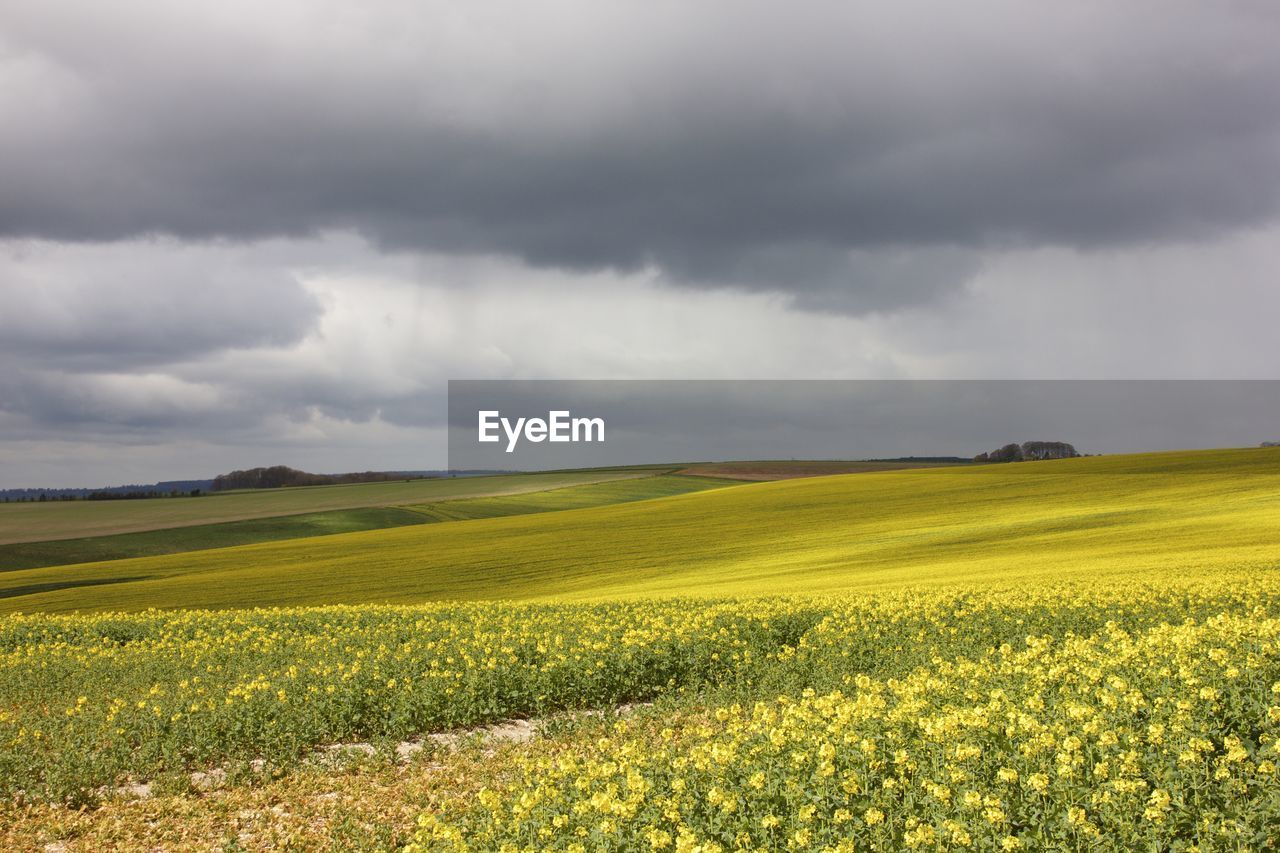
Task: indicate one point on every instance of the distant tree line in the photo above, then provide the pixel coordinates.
(30, 496)
(169, 489)
(1029, 451)
(253, 478)
(133, 496)
(278, 476)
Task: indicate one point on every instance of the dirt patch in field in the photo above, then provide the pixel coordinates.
(336, 754)
(320, 805)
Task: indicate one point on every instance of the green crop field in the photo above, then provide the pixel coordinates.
(1199, 511)
(201, 537)
(38, 522)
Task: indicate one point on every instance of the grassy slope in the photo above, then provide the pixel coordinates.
(200, 537)
(27, 555)
(1198, 510)
(37, 522)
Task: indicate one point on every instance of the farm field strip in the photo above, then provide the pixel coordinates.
(199, 537)
(40, 522)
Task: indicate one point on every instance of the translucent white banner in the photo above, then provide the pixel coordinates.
(549, 424)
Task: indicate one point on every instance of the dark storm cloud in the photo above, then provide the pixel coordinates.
(719, 142)
(232, 229)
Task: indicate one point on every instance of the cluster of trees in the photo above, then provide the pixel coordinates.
(1028, 451)
(282, 475)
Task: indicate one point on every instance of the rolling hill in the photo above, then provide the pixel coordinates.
(1199, 511)
(40, 522)
(200, 537)
(571, 497)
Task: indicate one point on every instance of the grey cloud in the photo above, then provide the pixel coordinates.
(114, 402)
(125, 308)
(858, 280)
(96, 338)
(719, 143)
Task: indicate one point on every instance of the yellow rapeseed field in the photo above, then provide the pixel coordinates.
(1133, 713)
(1203, 511)
(1050, 732)
(1009, 657)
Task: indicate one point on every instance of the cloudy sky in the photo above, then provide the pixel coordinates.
(238, 233)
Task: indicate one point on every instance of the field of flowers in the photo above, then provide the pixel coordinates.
(1141, 741)
(1137, 712)
(1120, 717)
(87, 701)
